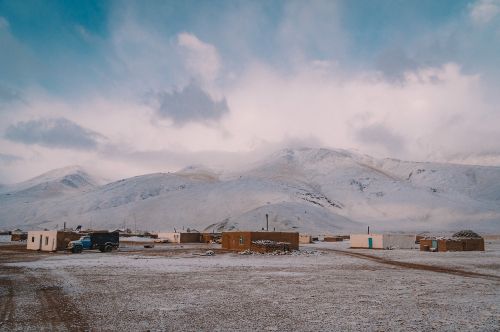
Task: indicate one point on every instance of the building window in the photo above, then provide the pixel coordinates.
(46, 240)
(32, 239)
(241, 240)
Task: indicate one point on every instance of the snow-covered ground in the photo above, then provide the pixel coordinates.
(179, 290)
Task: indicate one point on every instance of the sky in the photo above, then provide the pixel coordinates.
(124, 88)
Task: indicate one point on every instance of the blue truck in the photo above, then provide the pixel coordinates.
(103, 240)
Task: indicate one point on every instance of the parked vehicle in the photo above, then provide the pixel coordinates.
(104, 241)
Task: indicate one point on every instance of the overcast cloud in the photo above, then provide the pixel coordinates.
(53, 133)
(409, 80)
(191, 104)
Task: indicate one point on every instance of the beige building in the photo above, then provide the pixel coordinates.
(383, 241)
(305, 238)
(50, 240)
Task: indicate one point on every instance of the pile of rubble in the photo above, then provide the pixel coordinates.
(269, 246)
(269, 243)
(247, 252)
(467, 234)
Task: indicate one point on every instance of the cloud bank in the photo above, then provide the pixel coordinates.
(53, 133)
(155, 88)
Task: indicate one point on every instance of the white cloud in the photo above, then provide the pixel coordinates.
(483, 11)
(436, 113)
(432, 112)
(201, 59)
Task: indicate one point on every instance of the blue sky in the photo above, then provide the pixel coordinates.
(198, 76)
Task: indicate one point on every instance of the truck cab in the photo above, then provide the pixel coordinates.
(84, 242)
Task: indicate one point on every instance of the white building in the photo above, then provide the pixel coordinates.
(49, 240)
(383, 241)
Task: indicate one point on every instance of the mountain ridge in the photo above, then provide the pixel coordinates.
(307, 190)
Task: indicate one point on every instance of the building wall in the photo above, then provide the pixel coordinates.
(450, 245)
(42, 240)
(180, 237)
(190, 238)
(170, 237)
(474, 245)
(243, 240)
(236, 240)
(304, 238)
(454, 244)
(333, 239)
(383, 241)
(399, 241)
(425, 244)
(361, 240)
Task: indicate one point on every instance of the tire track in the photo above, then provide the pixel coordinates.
(7, 304)
(416, 266)
(34, 300)
(57, 312)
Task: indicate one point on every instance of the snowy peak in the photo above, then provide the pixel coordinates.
(56, 174)
(57, 181)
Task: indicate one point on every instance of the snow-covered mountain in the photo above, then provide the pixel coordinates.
(53, 183)
(308, 190)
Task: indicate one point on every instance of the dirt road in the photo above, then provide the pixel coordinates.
(32, 301)
(414, 266)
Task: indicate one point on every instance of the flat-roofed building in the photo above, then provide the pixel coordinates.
(254, 241)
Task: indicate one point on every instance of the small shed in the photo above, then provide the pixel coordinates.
(256, 241)
(180, 237)
(50, 240)
(383, 241)
(461, 241)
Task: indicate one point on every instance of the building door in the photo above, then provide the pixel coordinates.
(370, 242)
(435, 244)
(40, 242)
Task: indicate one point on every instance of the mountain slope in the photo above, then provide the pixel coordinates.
(55, 182)
(307, 190)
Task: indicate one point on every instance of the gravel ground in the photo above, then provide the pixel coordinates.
(170, 288)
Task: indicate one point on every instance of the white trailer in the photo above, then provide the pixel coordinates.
(383, 241)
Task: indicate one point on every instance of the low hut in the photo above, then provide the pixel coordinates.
(465, 240)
